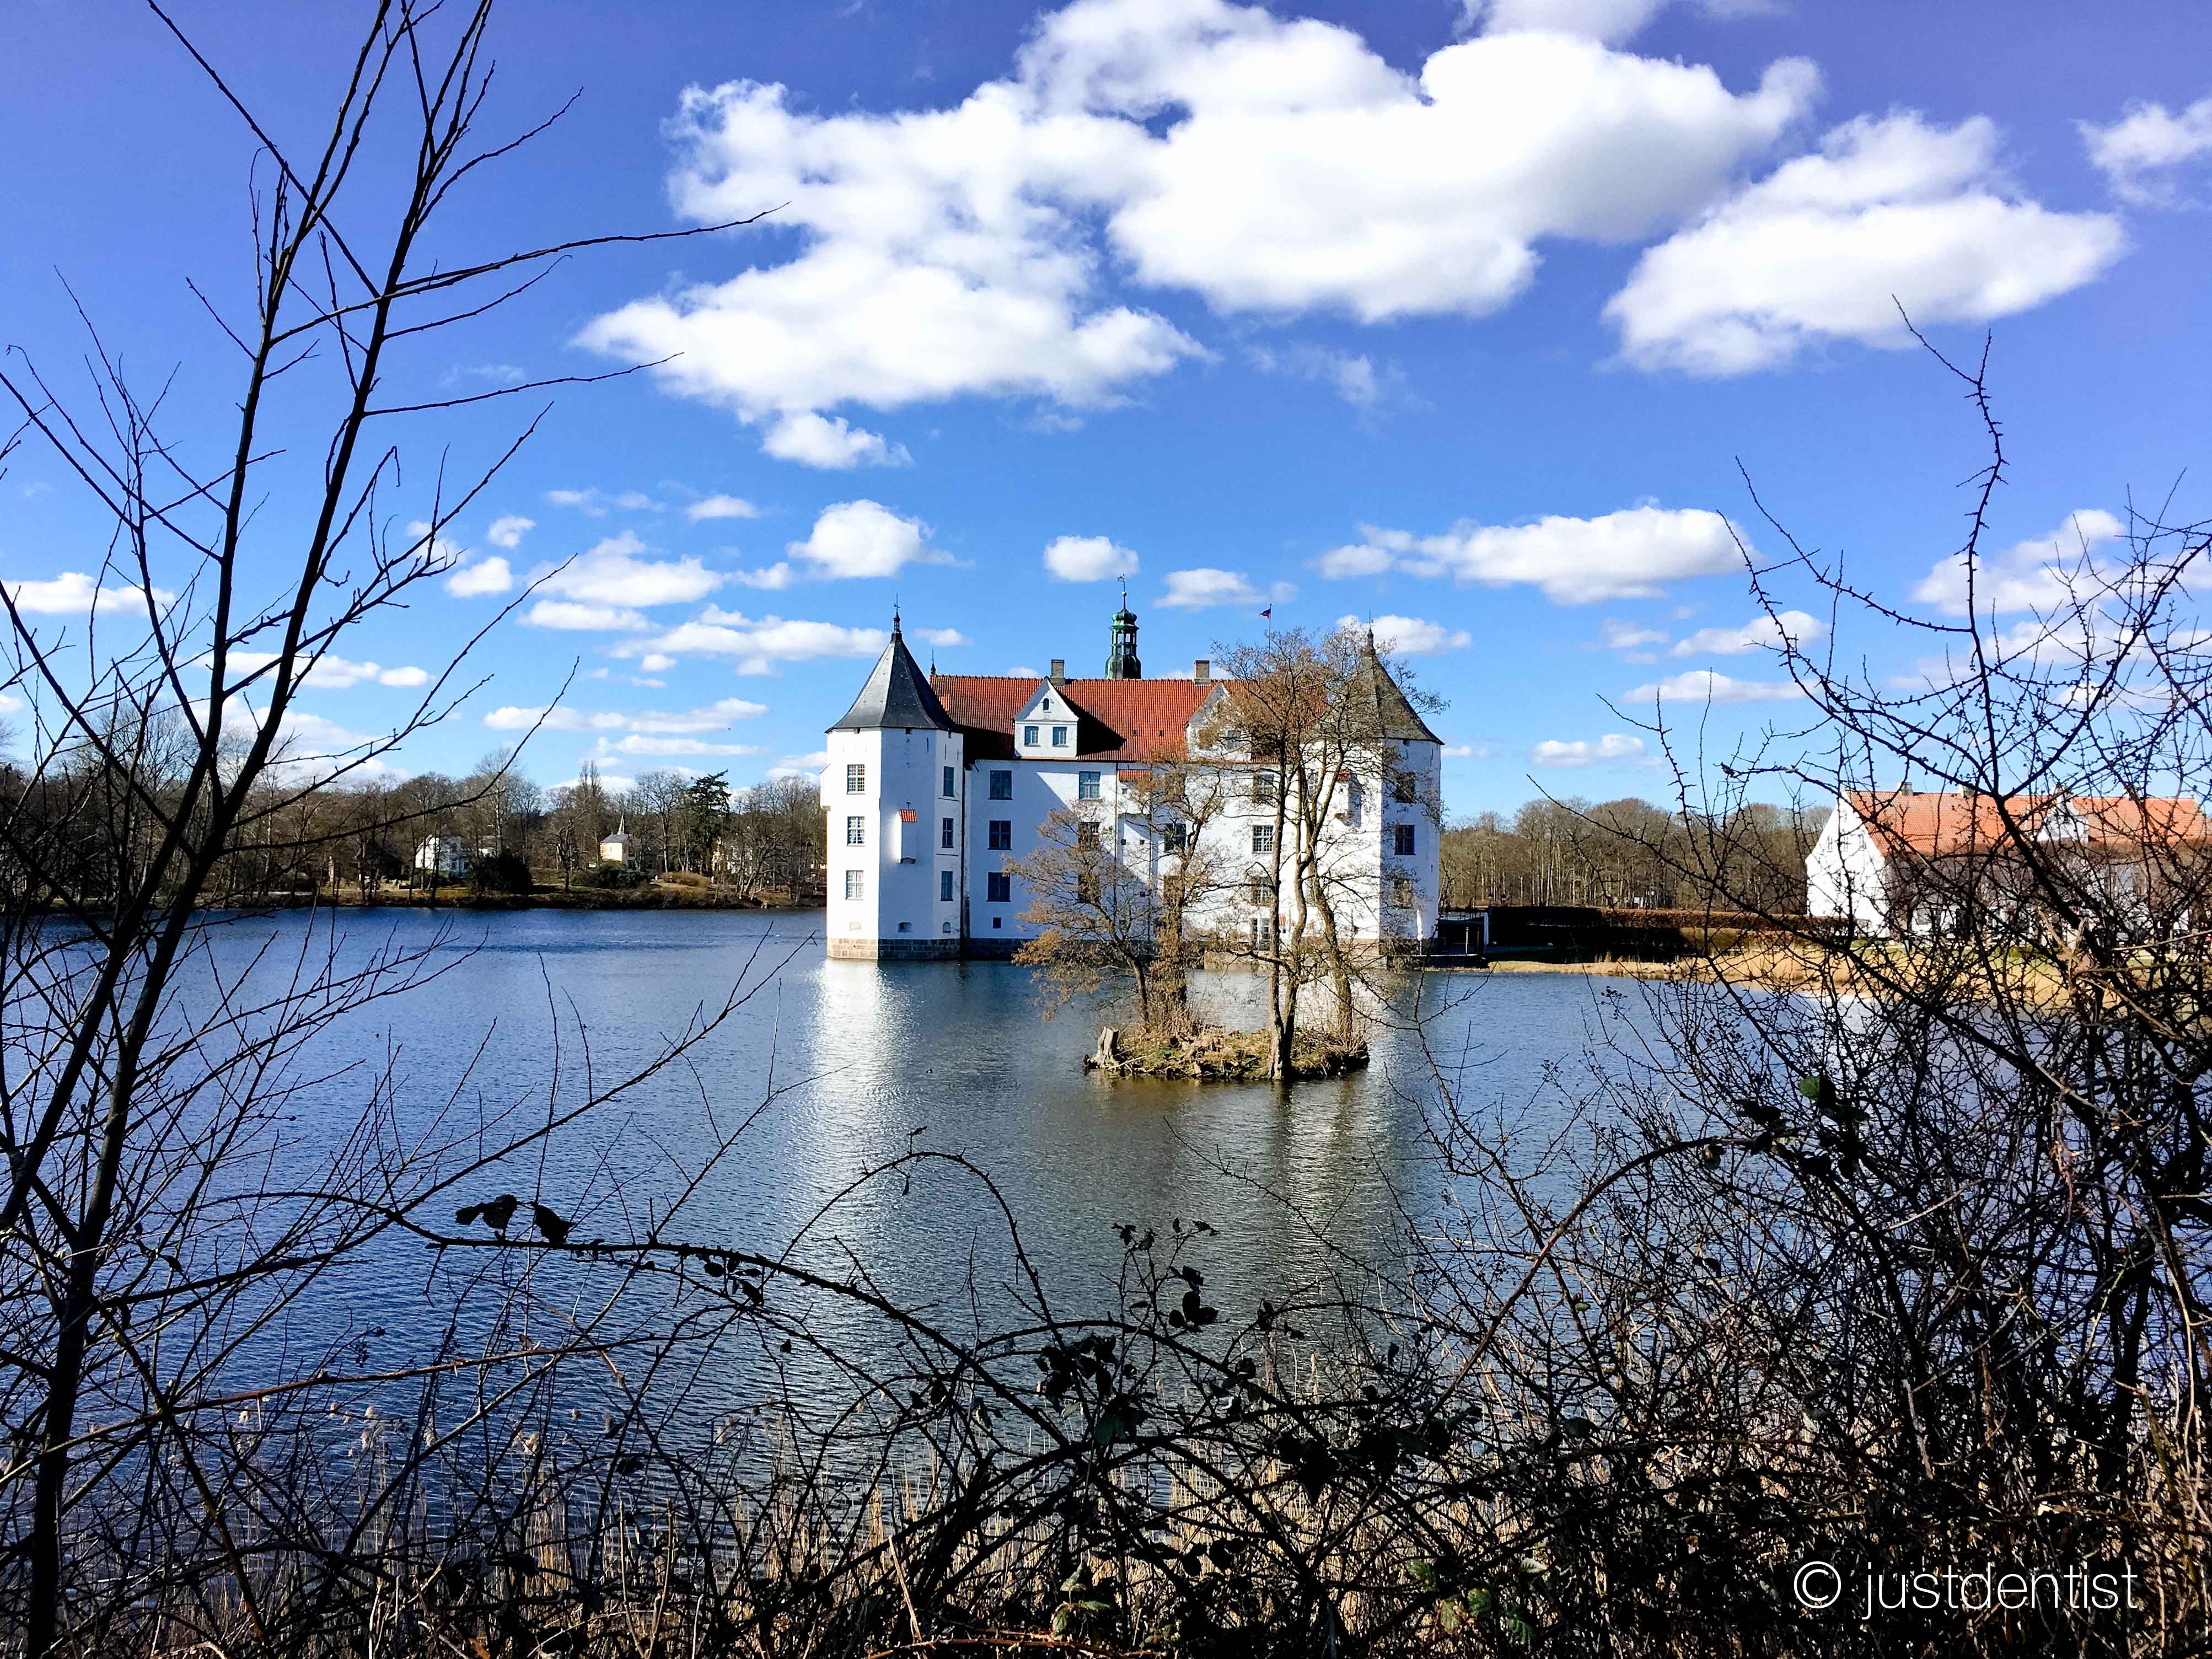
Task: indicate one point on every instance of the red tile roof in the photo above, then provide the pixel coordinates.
(1935, 824)
(1123, 721)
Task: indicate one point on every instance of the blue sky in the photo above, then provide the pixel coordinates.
(1459, 318)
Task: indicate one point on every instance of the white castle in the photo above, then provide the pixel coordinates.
(938, 785)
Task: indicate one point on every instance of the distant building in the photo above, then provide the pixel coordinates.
(442, 855)
(615, 848)
(1904, 863)
(937, 786)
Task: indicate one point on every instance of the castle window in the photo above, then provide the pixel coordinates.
(1002, 786)
(944, 834)
(1263, 786)
(1404, 785)
(1086, 834)
(949, 790)
(1029, 737)
(944, 886)
(856, 832)
(1002, 835)
(1402, 840)
(856, 780)
(1087, 785)
(1263, 837)
(998, 888)
(1059, 737)
(856, 885)
(1355, 804)
(1175, 837)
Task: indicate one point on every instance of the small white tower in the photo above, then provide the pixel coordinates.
(893, 792)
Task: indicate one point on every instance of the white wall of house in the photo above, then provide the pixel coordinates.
(887, 892)
(446, 855)
(1845, 874)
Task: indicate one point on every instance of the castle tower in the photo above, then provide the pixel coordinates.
(1122, 663)
(893, 791)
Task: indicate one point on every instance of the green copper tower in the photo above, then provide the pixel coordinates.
(1121, 662)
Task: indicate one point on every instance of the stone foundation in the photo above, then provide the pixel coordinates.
(895, 949)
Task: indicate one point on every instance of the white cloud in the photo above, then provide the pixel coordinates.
(715, 717)
(1355, 379)
(758, 644)
(485, 576)
(655, 662)
(437, 552)
(331, 673)
(1891, 211)
(772, 578)
(1263, 164)
(2043, 573)
(611, 575)
(800, 766)
(1617, 636)
(1410, 636)
(721, 506)
(1088, 559)
(72, 593)
(1467, 751)
(1613, 746)
(831, 442)
(1761, 633)
(1624, 555)
(508, 529)
(594, 503)
(2139, 153)
(1610, 21)
(571, 614)
(860, 538)
(1196, 590)
(944, 637)
(637, 745)
(1704, 685)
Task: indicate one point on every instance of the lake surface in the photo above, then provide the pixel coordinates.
(843, 1067)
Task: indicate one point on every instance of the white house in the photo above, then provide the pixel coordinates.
(615, 848)
(1904, 862)
(442, 855)
(938, 785)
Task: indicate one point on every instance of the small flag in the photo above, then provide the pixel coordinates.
(1269, 611)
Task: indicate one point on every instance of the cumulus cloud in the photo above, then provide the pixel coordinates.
(1265, 165)
(945, 637)
(2043, 573)
(855, 539)
(831, 442)
(758, 644)
(569, 614)
(485, 576)
(2141, 153)
(1410, 636)
(73, 593)
(1196, 590)
(595, 503)
(714, 717)
(612, 581)
(1088, 559)
(1889, 212)
(800, 766)
(1704, 685)
(1613, 746)
(1761, 633)
(332, 673)
(1625, 554)
(1354, 379)
(1613, 634)
(721, 507)
(508, 529)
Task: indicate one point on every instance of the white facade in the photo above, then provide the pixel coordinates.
(442, 855)
(1845, 874)
(923, 837)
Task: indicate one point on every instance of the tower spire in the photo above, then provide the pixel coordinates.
(1121, 662)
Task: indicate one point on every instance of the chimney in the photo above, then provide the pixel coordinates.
(1060, 671)
(1202, 671)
